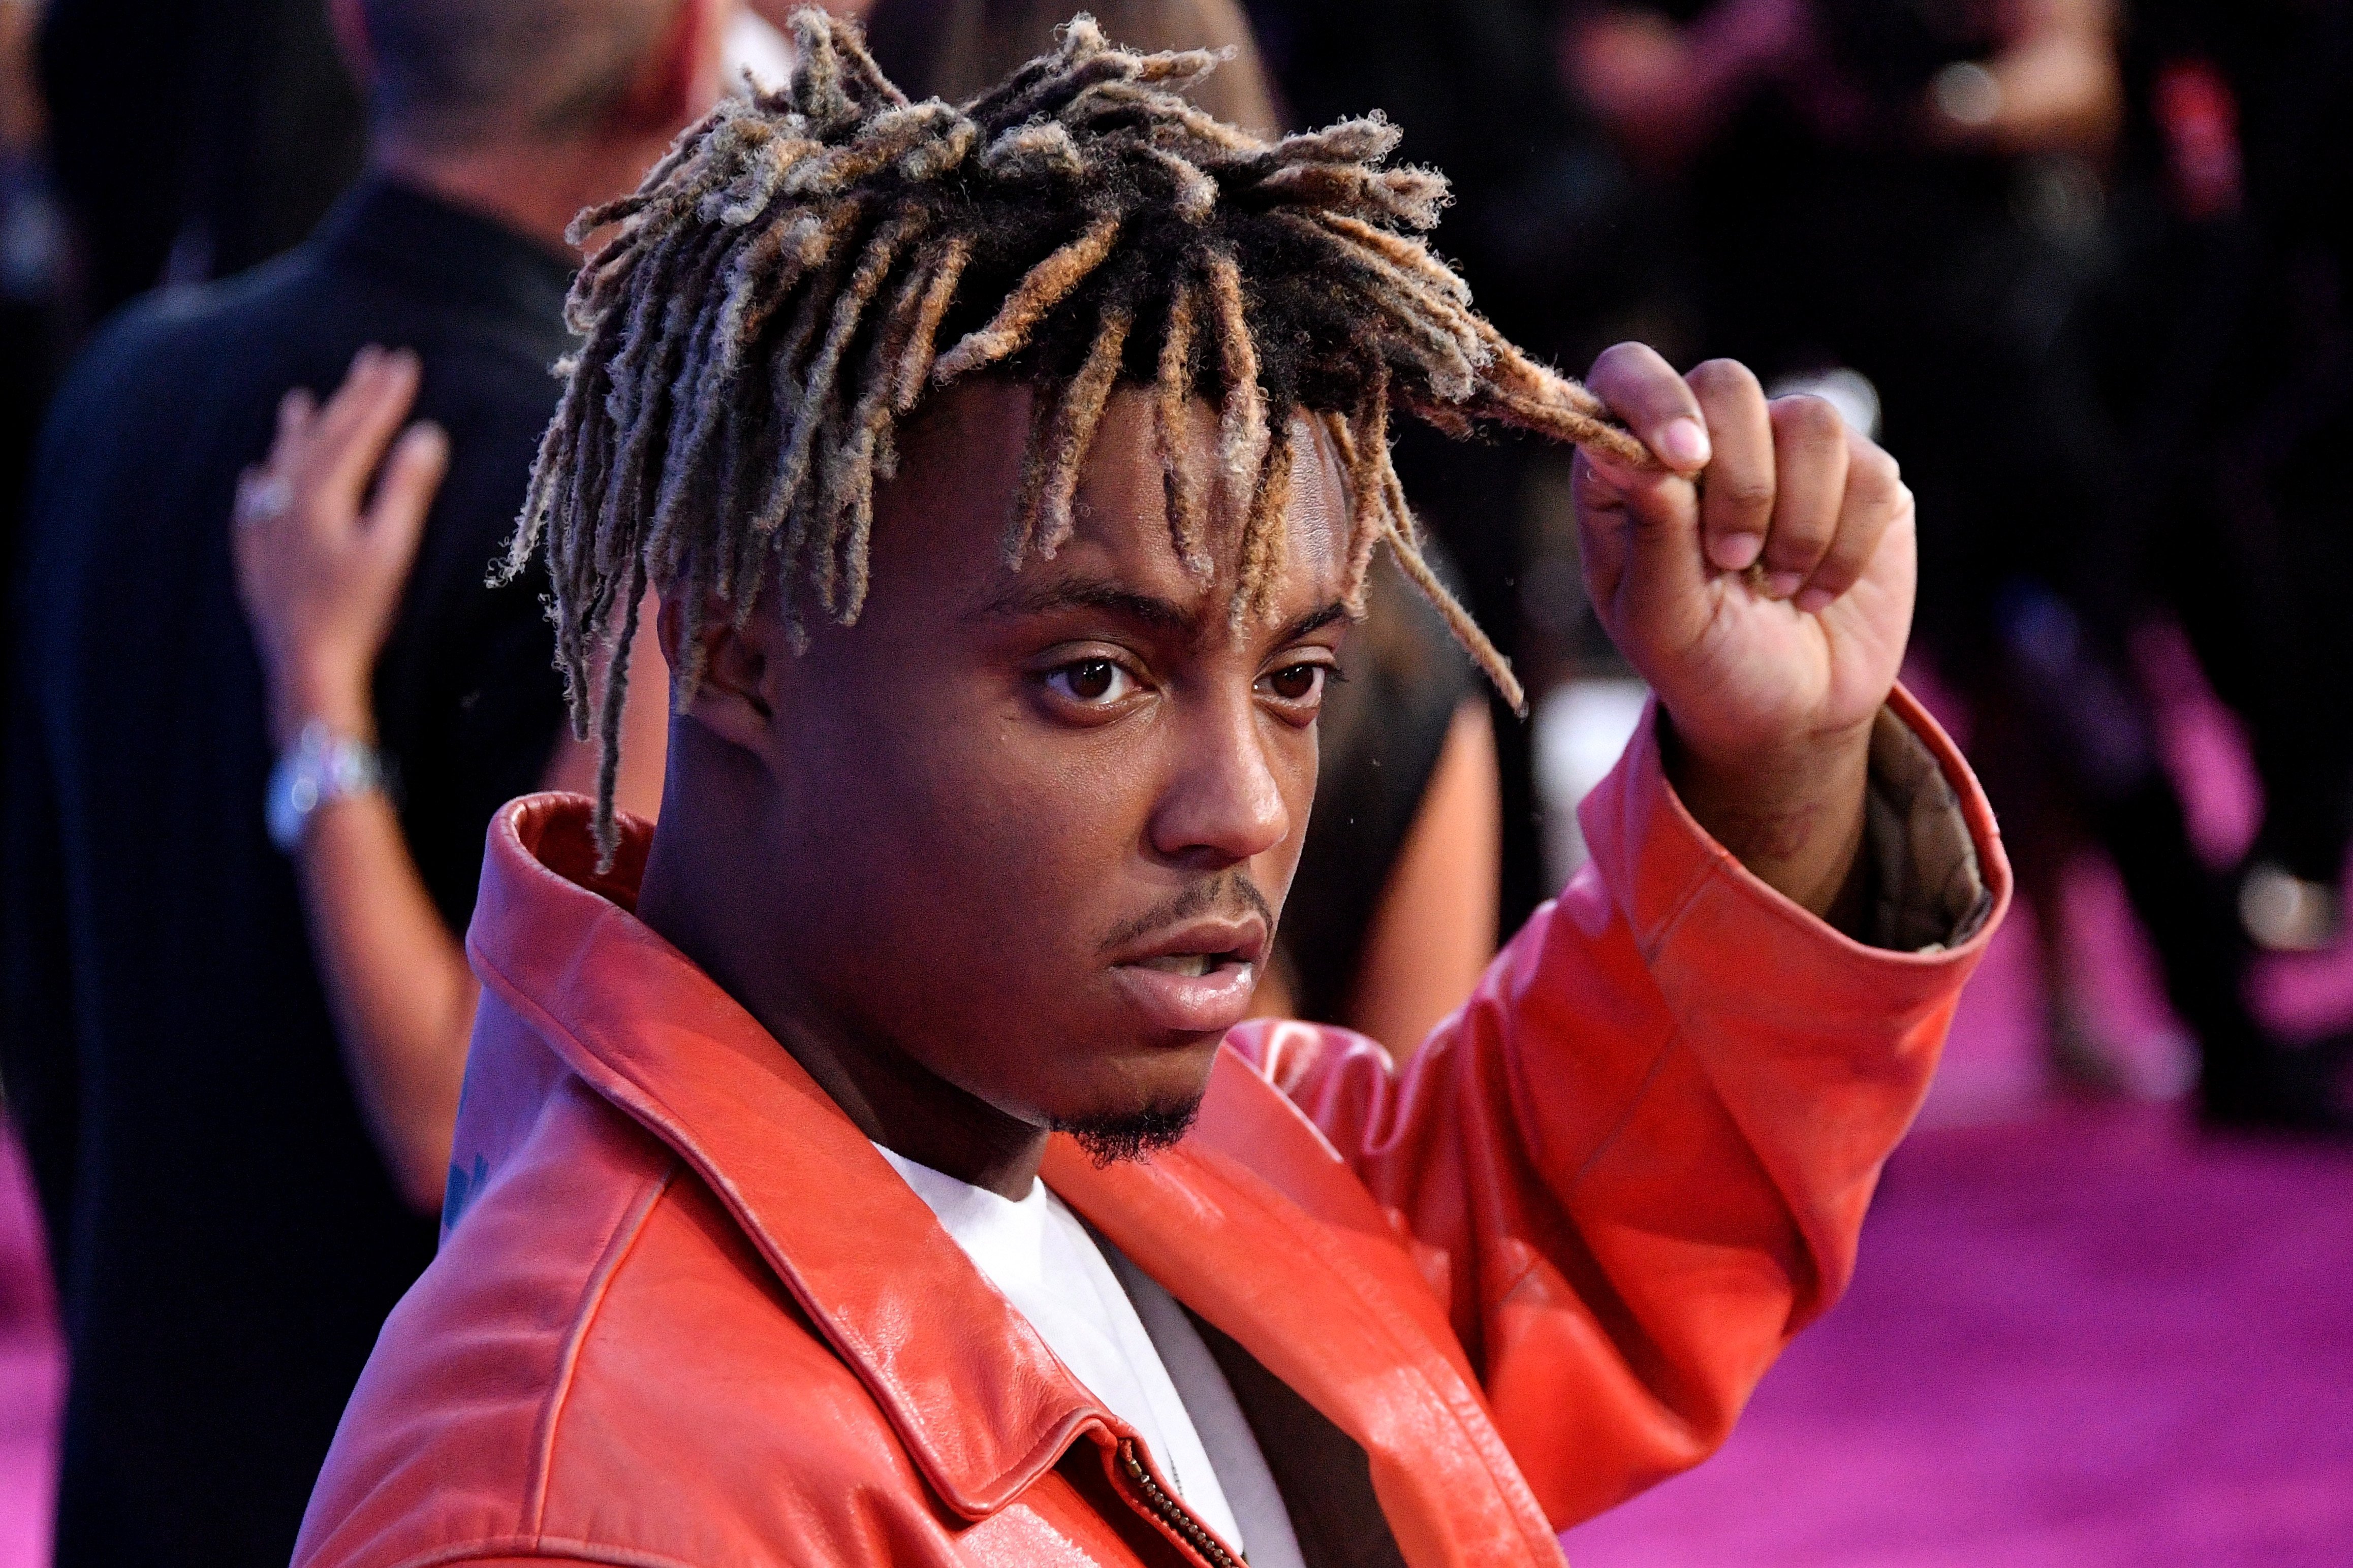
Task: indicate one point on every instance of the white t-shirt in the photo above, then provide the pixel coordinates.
(1042, 1261)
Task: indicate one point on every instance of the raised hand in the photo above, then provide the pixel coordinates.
(321, 563)
(1762, 583)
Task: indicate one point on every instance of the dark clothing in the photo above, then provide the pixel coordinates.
(212, 134)
(227, 1236)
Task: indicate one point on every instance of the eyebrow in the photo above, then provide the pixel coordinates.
(1147, 610)
(1315, 621)
(1080, 594)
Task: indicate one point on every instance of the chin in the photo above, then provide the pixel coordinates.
(1109, 1137)
(1138, 1099)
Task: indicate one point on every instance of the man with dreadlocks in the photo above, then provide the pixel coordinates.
(864, 1164)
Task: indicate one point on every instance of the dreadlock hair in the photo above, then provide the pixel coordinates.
(786, 285)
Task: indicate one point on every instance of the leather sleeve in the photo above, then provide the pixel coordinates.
(1638, 1160)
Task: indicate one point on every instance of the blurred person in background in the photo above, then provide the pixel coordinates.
(247, 126)
(2232, 361)
(1393, 913)
(1920, 195)
(236, 1012)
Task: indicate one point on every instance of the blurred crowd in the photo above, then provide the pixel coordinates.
(279, 284)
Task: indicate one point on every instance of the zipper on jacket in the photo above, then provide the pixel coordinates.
(1170, 1512)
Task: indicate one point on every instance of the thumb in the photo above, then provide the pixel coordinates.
(404, 495)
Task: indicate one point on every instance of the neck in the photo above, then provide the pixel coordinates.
(534, 190)
(891, 1097)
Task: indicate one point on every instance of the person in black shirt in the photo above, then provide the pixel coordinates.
(239, 1189)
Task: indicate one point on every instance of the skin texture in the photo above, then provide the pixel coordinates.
(1767, 608)
(928, 853)
(321, 582)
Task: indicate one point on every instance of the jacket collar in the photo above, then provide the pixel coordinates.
(981, 1404)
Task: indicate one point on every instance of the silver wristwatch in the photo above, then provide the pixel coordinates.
(320, 766)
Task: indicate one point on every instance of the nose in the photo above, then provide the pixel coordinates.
(1225, 802)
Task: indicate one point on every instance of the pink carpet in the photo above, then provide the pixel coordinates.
(2091, 1340)
(32, 1372)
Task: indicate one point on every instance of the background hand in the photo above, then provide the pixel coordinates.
(320, 564)
(1763, 586)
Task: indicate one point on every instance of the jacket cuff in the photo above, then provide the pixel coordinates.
(1940, 879)
(1927, 883)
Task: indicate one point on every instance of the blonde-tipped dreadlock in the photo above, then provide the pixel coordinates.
(790, 279)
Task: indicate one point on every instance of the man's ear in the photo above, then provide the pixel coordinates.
(349, 20)
(679, 80)
(730, 698)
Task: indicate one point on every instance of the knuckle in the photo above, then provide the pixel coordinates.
(1744, 494)
(1724, 375)
(1618, 356)
(1808, 419)
(1874, 467)
(1790, 552)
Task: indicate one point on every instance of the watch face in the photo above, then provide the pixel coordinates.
(317, 768)
(293, 796)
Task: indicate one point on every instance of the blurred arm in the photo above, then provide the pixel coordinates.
(396, 977)
(1433, 932)
(321, 577)
(2056, 83)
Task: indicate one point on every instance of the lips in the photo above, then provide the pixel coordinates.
(1197, 978)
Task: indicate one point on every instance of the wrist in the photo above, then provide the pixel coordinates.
(1791, 813)
(319, 769)
(330, 695)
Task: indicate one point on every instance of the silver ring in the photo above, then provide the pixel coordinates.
(265, 500)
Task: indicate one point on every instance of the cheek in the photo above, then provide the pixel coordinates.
(964, 827)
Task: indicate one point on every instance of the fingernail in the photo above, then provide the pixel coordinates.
(1781, 584)
(1736, 552)
(1814, 601)
(365, 357)
(1683, 444)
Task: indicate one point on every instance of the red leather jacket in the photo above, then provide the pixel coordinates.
(683, 1315)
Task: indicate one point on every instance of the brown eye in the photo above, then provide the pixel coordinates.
(1297, 683)
(1094, 681)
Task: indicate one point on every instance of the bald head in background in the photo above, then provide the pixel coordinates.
(529, 110)
(450, 73)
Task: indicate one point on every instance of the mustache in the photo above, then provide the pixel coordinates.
(1227, 893)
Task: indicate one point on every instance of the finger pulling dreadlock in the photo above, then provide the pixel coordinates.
(806, 263)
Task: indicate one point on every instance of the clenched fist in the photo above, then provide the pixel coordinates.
(1762, 582)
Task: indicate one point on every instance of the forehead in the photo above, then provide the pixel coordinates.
(941, 524)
